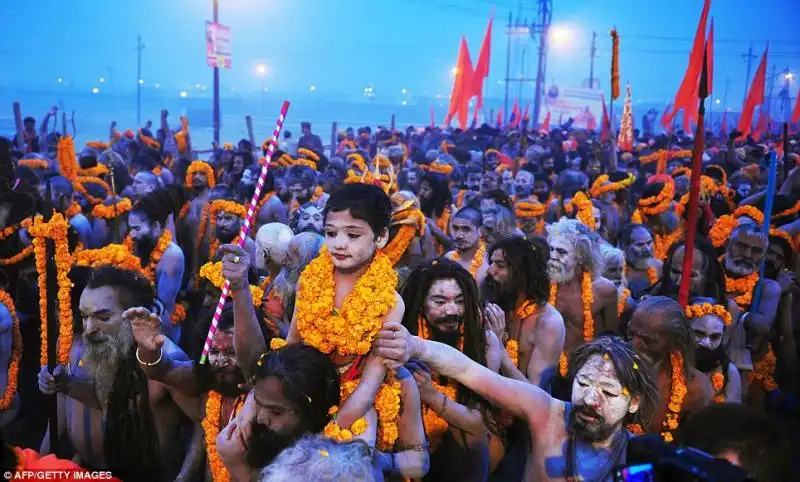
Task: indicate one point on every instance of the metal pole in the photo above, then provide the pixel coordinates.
(545, 16)
(591, 63)
(521, 71)
(508, 68)
(749, 58)
(139, 48)
(769, 95)
(216, 82)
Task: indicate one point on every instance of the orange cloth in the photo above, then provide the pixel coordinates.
(31, 461)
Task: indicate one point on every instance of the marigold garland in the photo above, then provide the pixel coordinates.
(155, 257)
(309, 154)
(212, 272)
(718, 384)
(56, 230)
(722, 229)
(350, 330)
(662, 242)
(182, 136)
(211, 427)
(96, 171)
(184, 210)
(34, 163)
(178, 314)
(788, 212)
(66, 158)
(8, 231)
(678, 393)
(602, 185)
(662, 157)
(73, 210)
(587, 296)
(115, 255)
(27, 251)
(79, 187)
(200, 166)
(764, 371)
(751, 212)
(436, 426)
(113, 210)
(622, 301)
(743, 285)
(585, 209)
(202, 230)
(477, 258)
(512, 348)
(655, 205)
(777, 233)
(217, 206)
(16, 353)
(277, 343)
(443, 223)
(529, 209)
(703, 309)
(440, 168)
(460, 198)
(400, 242)
(300, 161)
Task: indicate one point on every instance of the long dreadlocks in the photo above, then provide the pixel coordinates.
(474, 338)
(130, 442)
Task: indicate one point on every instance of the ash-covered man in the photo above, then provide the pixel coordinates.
(642, 270)
(580, 440)
(307, 219)
(586, 300)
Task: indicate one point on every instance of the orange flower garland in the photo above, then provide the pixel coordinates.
(400, 242)
(113, 210)
(184, 210)
(622, 301)
(435, 426)
(703, 309)
(743, 285)
(678, 393)
(477, 259)
(73, 210)
(440, 168)
(387, 405)
(17, 257)
(178, 314)
(587, 296)
(718, 384)
(348, 331)
(221, 205)
(155, 257)
(96, 171)
(460, 198)
(10, 230)
(789, 212)
(602, 185)
(662, 243)
(212, 272)
(751, 212)
(115, 255)
(662, 157)
(722, 229)
(56, 229)
(66, 158)
(585, 209)
(764, 371)
(659, 203)
(529, 209)
(182, 136)
(777, 233)
(200, 166)
(211, 428)
(202, 231)
(16, 353)
(34, 163)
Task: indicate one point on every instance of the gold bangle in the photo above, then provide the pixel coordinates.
(160, 356)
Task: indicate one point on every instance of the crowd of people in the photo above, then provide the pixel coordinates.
(430, 304)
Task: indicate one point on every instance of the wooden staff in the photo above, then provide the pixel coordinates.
(51, 402)
(694, 191)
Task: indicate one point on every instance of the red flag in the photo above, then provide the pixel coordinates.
(686, 98)
(433, 117)
(606, 132)
(796, 111)
(710, 58)
(525, 112)
(665, 123)
(723, 128)
(762, 124)
(459, 96)
(545, 128)
(482, 65)
(514, 120)
(591, 122)
(755, 97)
(499, 122)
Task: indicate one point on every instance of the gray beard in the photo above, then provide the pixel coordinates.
(734, 269)
(559, 274)
(102, 362)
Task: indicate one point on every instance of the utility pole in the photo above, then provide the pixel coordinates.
(768, 103)
(139, 49)
(749, 56)
(216, 81)
(542, 27)
(592, 53)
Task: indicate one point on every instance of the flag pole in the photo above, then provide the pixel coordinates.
(694, 190)
(770, 198)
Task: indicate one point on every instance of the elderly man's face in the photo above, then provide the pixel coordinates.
(309, 220)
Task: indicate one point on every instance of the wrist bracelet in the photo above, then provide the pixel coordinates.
(160, 356)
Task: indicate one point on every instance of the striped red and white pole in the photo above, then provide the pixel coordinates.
(248, 222)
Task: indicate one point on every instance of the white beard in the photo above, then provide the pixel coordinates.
(559, 273)
(735, 269)
(103, 361)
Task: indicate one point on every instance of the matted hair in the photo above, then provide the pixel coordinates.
(587, 244)
(315, 457)
(681, 334)
(632, 372)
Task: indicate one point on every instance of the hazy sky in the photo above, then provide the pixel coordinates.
(345, 45)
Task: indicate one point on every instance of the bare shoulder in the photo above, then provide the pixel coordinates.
(550, 320)
(658, 265)
(771, 288)
(699, 391)
(448, 254)
(397, 312)
(605, 288)
(732, 373)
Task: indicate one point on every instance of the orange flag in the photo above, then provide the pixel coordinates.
(515, 119)
(710, 58)
(459, 96)
(761, 125)
(796, 111)
(545, 128)
(499, 122)
(482, 65)
(755, 97)
(686, 98)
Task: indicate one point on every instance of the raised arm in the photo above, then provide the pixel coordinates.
(169, 276)
(248, 339)
(521, 399)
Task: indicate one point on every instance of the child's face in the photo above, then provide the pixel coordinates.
(350, 241)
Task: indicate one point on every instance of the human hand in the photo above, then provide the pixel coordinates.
(422, 375)
(393, 343)
(51, 384)
(235, 265)
(146, 328)
(786, 280)
(495, 318)
(231, 444)
(164, 113)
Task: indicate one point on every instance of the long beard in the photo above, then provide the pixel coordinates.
(707, 360)
(224, 236)
(738, 268)
(144, 248)
(498, 293)
(560, 273)
(449, 337)
(103, 357)
(212, 379)
(588, 431)
(265, 444)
